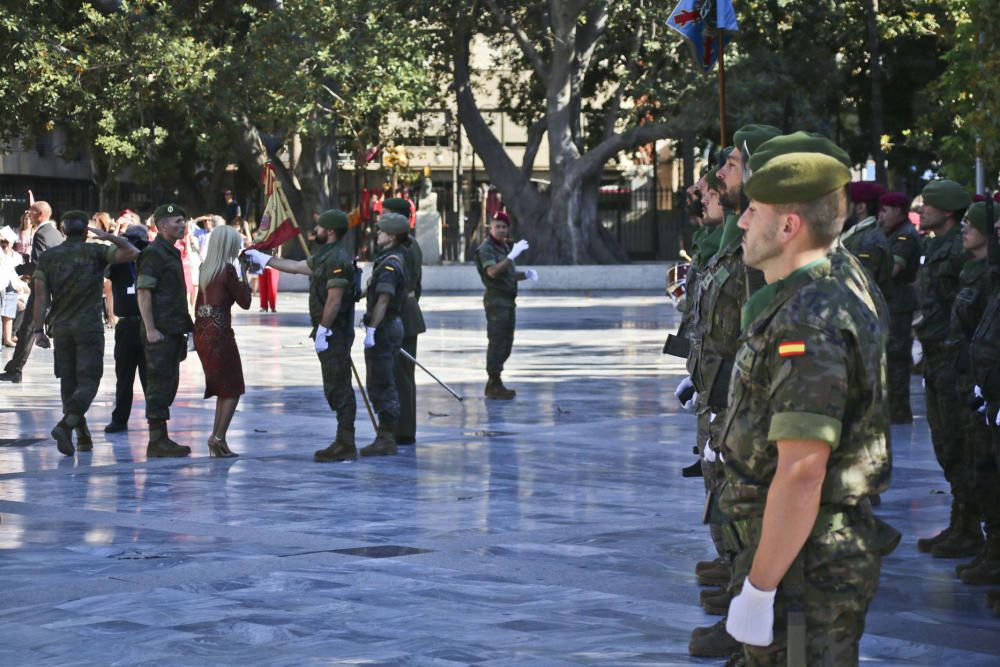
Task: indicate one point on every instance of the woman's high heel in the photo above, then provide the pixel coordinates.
(217, 448)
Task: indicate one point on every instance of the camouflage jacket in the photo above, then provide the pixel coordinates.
(388, 277)
(73, 273)
(502, 289)
(847, 268)
(723, 288)
(161, 272)
(810, 366)
(867, 242)
(967, 311)
(984, 351)
(942, 262)
(413, 318)
(901, 295)
(332, 266)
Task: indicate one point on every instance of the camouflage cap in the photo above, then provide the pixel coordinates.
(75, 215)
(397, 205)
(946, 195)
(394, 223)
(334, 219)
(976, 217)
(797, 142)
(796, 178)
(168, 211)
(753, 135)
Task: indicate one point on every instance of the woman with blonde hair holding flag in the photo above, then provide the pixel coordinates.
(220, 285)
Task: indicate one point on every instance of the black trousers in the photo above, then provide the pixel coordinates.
(25, 339)
(129, 359)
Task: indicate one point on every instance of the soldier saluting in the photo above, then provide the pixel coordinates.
(71, 277)
(804, 441)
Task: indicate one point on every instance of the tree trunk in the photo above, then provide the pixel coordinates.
(875, 66)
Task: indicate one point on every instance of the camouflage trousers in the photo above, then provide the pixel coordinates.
(335, 365)
(500, 322)
(841, 570)
(79, 365)
(406, 387)
(899, 362)
(980, 462)
(945, 411)
(163, 367)
(713, 474)
(380, 359)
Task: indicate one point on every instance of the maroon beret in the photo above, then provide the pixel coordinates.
(996, 198)
(895, 199)
(865, 191)
(502, 217)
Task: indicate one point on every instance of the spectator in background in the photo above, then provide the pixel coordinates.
(10, 283)
(269, 287)
(25, 233)
(233, 209)
(102, 220)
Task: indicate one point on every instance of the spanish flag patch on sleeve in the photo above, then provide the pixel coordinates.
(791, 348)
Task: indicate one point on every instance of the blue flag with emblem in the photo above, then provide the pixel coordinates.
(704, 23)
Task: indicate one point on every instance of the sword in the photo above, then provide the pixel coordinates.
(424, 369)
(364, 395)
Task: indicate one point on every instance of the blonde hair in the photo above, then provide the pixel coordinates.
(223, 246)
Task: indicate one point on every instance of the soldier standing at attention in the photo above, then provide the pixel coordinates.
(901, 296)
(413, 326)
(386, 295)
(804, 441)
(166, 322)
(71, 277)
(331, 309)
(862, 235)
(495, 263)
(943, 258)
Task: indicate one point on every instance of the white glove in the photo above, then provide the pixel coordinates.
(369, 337)
(257, 257)
(751, 616)
(531, 274)
(321, 343)
(709, 453)
(518, 248)
(686, 395)
(998, 419)
(979, 394)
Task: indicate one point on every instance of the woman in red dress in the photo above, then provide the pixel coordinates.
(220, 286)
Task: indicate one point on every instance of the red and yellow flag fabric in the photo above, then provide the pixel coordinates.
(277, 224)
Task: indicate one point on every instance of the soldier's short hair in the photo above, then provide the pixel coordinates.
(824, 217)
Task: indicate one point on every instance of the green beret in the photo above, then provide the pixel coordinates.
(754, 135)
(397, 205)
(394, 223)
(797, 142)
(976, 216)
(797, 178)
(75, 215)
(334, 219)
(946, 195)
(168, 211)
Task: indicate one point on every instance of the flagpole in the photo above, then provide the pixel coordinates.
(722, 90)
(291, 213)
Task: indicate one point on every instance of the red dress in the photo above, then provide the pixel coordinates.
(213, 334)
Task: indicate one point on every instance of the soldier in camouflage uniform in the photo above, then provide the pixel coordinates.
(944, 205)
(71, 276)
(413, 326)
(904, 242)
(862, 235)
(331, 310)
(387, 291)
(166, 321)
(804, 439)
(970, 305)
(495, 263)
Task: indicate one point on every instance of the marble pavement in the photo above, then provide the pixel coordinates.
(551, 530)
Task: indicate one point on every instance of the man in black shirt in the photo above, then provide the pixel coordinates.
(129, 356)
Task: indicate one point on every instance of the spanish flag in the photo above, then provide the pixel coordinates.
(791, 348)
(277, 224)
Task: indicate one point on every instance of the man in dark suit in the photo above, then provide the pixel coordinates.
(47, 235)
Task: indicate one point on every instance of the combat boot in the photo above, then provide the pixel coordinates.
(713, 642)
(341, 449)
(160, 445)
(384, 443)
(84, 442)
(925, 544)
(987, 571)
(63, 434)
(717, 576)
(496, 390)
(705, 565)
(964, 540)
(715, 601)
